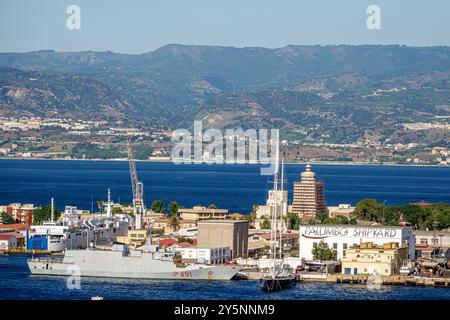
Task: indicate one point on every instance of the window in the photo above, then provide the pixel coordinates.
(334, 245)
(423, 240)
(314, 244)
(344, 246)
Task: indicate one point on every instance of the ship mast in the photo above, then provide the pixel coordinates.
(137, 188)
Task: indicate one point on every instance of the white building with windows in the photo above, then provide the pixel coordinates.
(205, 255)
(342, 237)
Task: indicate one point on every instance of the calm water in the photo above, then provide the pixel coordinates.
(235, 187)
(17, 283)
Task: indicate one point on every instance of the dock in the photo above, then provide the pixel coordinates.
(383, 280)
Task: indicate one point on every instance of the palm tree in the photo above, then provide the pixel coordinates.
(174, 222)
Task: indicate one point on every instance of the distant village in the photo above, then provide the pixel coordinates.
(56, 138)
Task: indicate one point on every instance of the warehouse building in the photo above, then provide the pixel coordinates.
(341, 237)
(224, 233)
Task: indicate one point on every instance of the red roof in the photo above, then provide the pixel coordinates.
(6, 236)
(14, 226)
(15, 234)
(167, 242)
(184, 244)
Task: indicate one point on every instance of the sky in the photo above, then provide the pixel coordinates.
(139, 26)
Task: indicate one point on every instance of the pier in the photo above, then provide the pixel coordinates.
(383, 280)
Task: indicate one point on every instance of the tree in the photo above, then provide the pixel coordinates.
(6, 218)
(293, 221)
(369, 209)
(44, 214)
(158, 206)
(117, 210)
(174, 222)
(173, 207)
(265, 224)
(322, 252)
(185, 239)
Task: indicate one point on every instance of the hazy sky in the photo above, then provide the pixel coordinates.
(137, 26)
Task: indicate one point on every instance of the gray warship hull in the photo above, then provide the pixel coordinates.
(136, 265)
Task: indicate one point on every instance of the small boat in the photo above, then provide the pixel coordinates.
(282, 280)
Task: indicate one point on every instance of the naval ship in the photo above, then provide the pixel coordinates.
(151, 262)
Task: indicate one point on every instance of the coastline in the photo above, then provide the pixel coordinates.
(341, 163)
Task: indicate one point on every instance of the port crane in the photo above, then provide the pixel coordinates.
(138, 189)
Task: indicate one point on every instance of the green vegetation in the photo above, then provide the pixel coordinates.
(420, 217)
(174, 222)
(6, 218)
(323, 253)
(158, 206)
(85, 150)
(117, 210)
(293, 221)
(265, 224)
(185, 239)
(44, 214)
(325, 219)
(173, 207)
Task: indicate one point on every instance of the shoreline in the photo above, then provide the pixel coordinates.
(341, 163)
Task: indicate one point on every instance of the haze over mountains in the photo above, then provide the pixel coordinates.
(345, 89)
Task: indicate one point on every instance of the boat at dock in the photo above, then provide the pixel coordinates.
(279, 277)
(150, 262)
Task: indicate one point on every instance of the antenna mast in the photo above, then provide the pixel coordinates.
(137, 188)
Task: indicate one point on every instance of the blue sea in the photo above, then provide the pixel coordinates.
(236, 187)
(16, 283)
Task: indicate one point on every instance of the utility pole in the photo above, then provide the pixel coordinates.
(52, 216)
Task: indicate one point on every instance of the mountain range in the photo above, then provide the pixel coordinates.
(345, 89)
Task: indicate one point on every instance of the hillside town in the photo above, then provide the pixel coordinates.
(66, 138)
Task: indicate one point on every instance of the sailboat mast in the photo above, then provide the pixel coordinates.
(274, 222)
(281, 205)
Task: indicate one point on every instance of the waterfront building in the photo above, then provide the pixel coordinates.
(433, 238)
(342, 210)
(372, 259)
(205, 255)
(342, 237)
(163, 225)
(55, 237)
(199, 213)
(308, 198)
(7, 241)
(224, 233)
(21, 213)
(135, 238)
(19, 230)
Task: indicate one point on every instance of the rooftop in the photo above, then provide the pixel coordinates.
(221, 221)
